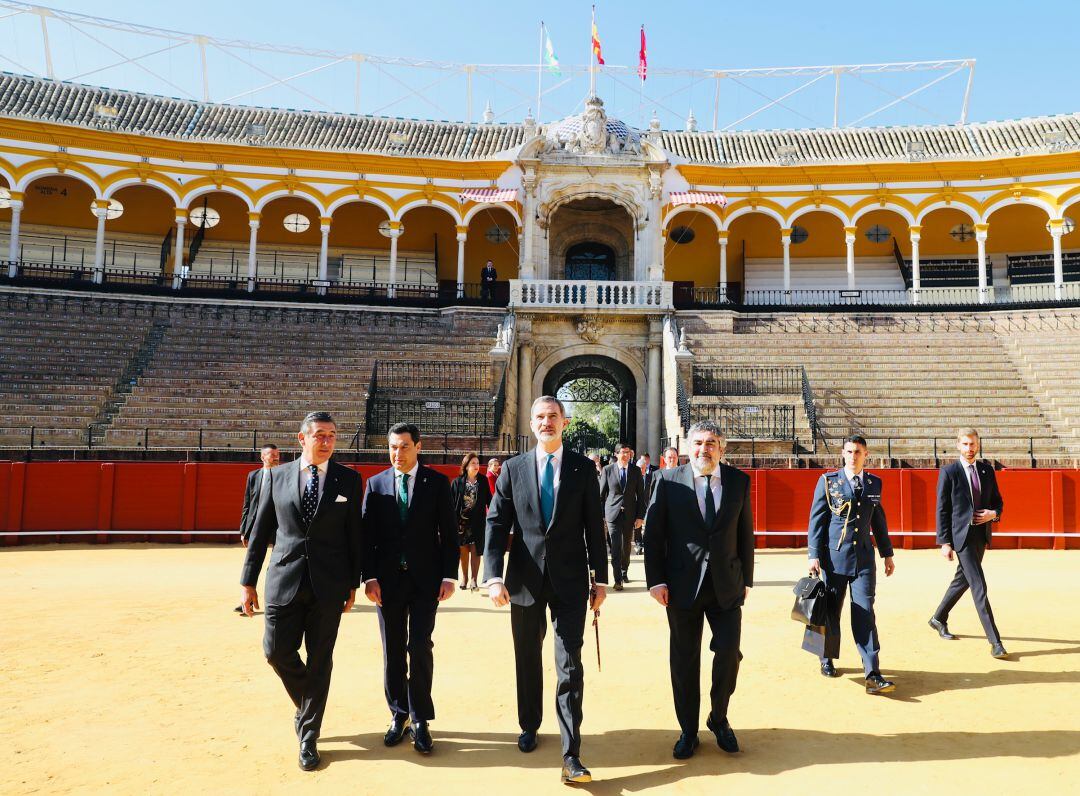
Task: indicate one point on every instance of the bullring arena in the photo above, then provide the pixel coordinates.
(185, 279)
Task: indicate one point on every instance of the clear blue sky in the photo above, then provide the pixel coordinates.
(1024, 53)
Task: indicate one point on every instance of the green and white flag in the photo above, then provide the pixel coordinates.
(550, 59)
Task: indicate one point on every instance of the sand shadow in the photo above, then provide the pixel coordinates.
(1017, 655)
(910, 685)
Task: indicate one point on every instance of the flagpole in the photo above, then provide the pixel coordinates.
(540, 72)
(641, 87)
(592, 54)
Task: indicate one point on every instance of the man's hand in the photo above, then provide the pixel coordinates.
(373, 592)
(946, 550)
(598, 597)
(983, 515)
(498, 594)
(890, 566)
(446, 590)
(815, 567)
(243, 541)
(249, 601)
(349, 602)
(746, 592)
(660, 594)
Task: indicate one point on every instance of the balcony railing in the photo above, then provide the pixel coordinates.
(558, 294)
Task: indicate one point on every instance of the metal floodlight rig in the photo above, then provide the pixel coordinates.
(160, 41)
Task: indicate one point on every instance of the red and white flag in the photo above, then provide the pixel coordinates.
(642, 59)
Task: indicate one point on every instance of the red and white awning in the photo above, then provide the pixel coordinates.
(489, 196)
(697, 198)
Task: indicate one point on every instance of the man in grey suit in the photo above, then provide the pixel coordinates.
(313, 506)
(270, 457)
(622, 491)
(968, 505)
(699, 564)
(550, 497)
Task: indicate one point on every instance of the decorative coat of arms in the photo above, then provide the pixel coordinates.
(589, 329)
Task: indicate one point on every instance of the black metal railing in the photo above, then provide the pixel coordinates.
(436, 378)
(735, 380)
(766, 422)
(811, 410)
(457, 417)
(682, 401)
(1028, 269)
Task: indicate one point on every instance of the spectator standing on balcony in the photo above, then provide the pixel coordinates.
(622, 491)
(312, 511)
(488, 276)
(409, 567)
(256, 482)
(969, 503)
(470, 496)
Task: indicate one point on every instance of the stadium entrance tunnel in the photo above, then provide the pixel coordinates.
(598, 393)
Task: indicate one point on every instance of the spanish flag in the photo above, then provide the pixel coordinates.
(596, 40)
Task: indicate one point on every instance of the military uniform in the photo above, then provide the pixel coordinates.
(841, 524)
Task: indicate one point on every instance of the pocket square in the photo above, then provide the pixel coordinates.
(341, 499)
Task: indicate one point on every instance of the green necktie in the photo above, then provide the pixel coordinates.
(403, 498)
(547, 491)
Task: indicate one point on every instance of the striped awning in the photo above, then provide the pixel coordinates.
(489, 196)
(698, 198)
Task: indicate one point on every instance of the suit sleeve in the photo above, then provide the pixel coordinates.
(880, 528)
(817, 531)
(594, 529)
(603, 485)
(501, 518)
(263, 530)
(746, 537)
(355, 529)
(447, 531)
(641, 506)
(655, 536)
(248, 511)
(944, 507)
(369, 558)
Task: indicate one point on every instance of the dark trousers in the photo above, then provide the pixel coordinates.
(969, 575)
(315, 622)
(406, 622)
(529, 626)
(686, 626)
(863, 622)
(487, 290)
(620, 537)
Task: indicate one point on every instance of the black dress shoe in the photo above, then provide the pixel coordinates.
(725, 736)
(618, 585)
(527, 741)
(574, 771)
(422, 742)
(239, 609)
(876, 684)
(942, 629)
(309, 756)
(998, 651)
(399, 725)
(625, 577)
(685, 746)
(828, 670)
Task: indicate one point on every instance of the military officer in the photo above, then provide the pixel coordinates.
(846, 511)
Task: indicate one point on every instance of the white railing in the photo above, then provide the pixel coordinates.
(556, 294)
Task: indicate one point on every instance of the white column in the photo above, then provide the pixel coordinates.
(849, 242)
(1056, 229)
(980, 240)
(101, 208)
(527, 261)
(785, 241)
(253, 242)
(178, 256)
(654, 378)
(723, 236)
(324, 246)
(916, 279)
(462, 233)
(13, 243)
(525, 396)
(395, 233)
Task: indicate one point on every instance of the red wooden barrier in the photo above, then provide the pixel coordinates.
(188, 500)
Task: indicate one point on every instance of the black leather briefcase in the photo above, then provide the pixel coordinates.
(810, 597)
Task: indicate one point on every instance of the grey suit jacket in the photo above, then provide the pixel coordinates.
(622, 505)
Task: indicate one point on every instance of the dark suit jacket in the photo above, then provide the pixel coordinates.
(330, 548)
(622, 505)
(251, 502)
(676, 539)
(478, 515)
(427, 540)
(954, 509)
(568, 548)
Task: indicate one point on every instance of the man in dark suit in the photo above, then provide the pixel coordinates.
(968, 504)
(845, 513)
(271, 457)
(410, 563)
(699, 564)
(550, 497)
(313, 507)
(622, 491)
(488, 277)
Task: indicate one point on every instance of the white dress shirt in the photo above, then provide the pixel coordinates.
(305, 476)
(850, 475)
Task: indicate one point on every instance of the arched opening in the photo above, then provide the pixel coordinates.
(223, 246)
(136, 240)
(492, 236)
(753, 250)
(289, 239)
(882, 251)
(599, 394)
(948, 253)
(692, 249)
(358, 252)
(1017, 239)
(427, 250)
(818, 252)
(596, 221)
(590, 260)
(57, 225)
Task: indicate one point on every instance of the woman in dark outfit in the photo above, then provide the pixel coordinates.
(471, 495)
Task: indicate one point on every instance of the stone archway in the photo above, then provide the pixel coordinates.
(595, 221)
(614, 383)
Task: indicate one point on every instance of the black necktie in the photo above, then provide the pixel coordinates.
(622, 477)
(710, 503)
(857, 487)
(310, 500)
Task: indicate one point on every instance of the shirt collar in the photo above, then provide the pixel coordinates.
(541, 455)
(965, 465)
(851, 474)
(305, 464)
(411, 473)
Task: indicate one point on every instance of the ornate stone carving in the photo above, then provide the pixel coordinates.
(589, 328)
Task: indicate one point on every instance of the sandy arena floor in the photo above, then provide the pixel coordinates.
(126, 671)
